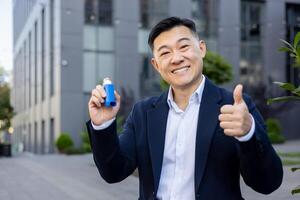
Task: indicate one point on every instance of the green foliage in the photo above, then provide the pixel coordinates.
(74, 151)
(289, 154)
(85, 137)
(296, 190)
(293, 49)
(274, 131)
(6, 110)
(295, 168)
(120, 122)
(294, 52)
(86, 145)
(289, 162)
(63, 142)
(86, 148)
(288, 87)
(215, 67)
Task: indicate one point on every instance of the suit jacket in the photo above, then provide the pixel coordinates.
(219, 159)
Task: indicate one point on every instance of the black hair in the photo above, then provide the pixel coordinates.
(167, 24)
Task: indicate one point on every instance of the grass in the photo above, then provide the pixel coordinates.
(290, 162)
(289, 158)
(289, 154)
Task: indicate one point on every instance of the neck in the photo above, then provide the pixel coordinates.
(182, 95)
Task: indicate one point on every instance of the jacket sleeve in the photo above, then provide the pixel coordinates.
(260, 166)
(114, 156)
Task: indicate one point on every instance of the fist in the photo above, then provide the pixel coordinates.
(235, 119)
(97, 111)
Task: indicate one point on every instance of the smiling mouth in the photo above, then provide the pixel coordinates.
(181, 69)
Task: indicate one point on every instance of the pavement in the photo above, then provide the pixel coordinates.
(60, 177)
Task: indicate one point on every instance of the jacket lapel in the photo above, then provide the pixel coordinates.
(207, 123)
(156, 129)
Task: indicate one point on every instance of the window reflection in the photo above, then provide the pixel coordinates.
(251, 47)
(98, 12)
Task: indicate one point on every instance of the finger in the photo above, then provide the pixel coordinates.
(227, 109)
(231, 132)
(228, 125)
(95, 101)
(101, 90)
(238, 94)
(227, 117)
(96, 94)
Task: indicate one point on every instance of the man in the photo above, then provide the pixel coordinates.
(192, 142)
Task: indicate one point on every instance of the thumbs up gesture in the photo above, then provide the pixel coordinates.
(235, 119)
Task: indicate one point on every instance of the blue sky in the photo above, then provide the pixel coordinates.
(6, 34)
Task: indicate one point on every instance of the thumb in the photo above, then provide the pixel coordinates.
(238, 94)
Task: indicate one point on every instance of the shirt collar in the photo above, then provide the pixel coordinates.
(196, 96)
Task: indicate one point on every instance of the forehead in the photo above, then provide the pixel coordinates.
(172, 36)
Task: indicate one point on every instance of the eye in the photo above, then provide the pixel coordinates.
(164, 53)
(184, 46)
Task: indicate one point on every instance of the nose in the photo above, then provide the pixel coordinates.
(177, 58)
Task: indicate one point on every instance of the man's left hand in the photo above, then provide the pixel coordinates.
(235, 119)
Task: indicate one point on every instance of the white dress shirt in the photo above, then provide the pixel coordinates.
(178, 167)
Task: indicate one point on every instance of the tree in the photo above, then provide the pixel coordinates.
(294, 52)
(215, 67)
(6, 110)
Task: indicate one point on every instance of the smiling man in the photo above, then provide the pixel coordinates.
(192, 142)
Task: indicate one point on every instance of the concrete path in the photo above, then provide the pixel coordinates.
(60, 177)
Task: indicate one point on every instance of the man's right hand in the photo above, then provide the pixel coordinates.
(98, 112)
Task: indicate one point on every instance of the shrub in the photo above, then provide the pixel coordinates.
(73, 150)
(86, 145)
(274, 131)
(86, 148)
(63, 142)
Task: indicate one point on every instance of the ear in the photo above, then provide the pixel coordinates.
(202, 47)
(154, 64)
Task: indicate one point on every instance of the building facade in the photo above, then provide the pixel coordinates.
(63, 48)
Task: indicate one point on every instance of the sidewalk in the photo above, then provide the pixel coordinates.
(60, 177)
(288, 146)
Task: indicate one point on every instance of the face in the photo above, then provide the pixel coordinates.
(178, 57)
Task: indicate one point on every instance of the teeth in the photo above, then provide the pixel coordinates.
(180, 70)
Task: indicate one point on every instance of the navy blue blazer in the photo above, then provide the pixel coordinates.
(219, 159)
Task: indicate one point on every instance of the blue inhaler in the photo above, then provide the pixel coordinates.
(110, 99)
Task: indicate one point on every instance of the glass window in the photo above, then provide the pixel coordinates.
(52, 136)
(144, 14)
(35, 62)
(51, 47)
(142, 41)
(105, 38)
(251, 48)
(43, 54)
(89, 71)
(29, 67)
(251, 20)
(105, 12)
(89, 40)
(105, 66)
(90, 11)
(293, 27)
(205, 15)
(98, 12)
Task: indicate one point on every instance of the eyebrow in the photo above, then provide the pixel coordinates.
(165, 46)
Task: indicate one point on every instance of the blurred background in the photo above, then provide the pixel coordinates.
(54, 52)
